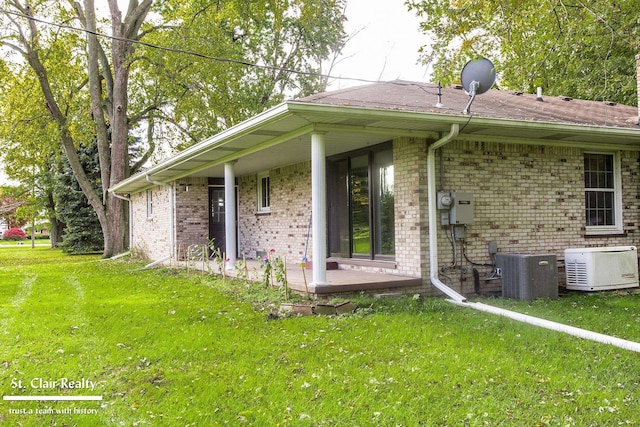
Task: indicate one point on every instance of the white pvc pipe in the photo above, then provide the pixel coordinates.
(457, 299)
(554, 326)
(433, 220)
(156, 262)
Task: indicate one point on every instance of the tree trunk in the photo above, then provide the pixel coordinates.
(55, 234)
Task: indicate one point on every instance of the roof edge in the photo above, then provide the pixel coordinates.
(221, 138)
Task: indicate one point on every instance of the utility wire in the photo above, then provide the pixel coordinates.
(195, 54)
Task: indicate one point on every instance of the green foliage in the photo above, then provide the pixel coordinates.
(11, 198)
(82, 233)
(583, 50)
(288, 39)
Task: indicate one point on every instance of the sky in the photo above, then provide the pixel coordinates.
(384, 47)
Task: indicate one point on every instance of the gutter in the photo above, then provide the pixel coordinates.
(172, 206)
(459, 300)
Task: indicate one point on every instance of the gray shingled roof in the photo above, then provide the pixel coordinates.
(361, 116)
(422, 97)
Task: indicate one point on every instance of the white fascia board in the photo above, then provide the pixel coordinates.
(220, 139)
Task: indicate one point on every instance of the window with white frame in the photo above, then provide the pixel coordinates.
(149, 203)
(264, 192)
(602, 193)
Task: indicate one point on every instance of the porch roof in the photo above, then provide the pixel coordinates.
(367, 115)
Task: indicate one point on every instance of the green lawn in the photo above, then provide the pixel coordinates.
(169, 349)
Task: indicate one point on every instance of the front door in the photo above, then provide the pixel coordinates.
(217, 218)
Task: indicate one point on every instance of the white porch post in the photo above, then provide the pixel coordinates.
(319, 209)
(230, 248)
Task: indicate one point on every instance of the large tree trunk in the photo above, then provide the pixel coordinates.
(108, 108)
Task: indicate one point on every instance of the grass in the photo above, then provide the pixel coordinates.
(170, 349)
(25, 242)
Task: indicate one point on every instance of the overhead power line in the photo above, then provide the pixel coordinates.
(186, 52)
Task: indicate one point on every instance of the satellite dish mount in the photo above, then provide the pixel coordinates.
(477, 77)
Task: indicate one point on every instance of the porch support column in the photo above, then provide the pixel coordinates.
(319, 209)
(230, 248)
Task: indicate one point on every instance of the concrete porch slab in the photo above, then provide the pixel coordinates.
(339, 282)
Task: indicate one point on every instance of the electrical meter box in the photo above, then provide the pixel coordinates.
(461, 208)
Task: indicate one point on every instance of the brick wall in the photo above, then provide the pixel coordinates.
(528, 199)
(192, 212)
(411, 216)
(150, 234)
(285, 227)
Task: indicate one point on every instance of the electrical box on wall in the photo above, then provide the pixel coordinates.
(461, 208)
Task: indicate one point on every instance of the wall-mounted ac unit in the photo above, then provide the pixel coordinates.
(596, 269)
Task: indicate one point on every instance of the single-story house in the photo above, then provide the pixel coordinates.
(393, 178)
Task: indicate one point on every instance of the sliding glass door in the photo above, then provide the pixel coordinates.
(361, 204)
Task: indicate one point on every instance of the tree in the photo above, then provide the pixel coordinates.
(110, 88)
(82, 233)
(9, 205)
(580, 49)
(250, 55)
(30, 146)
(40, 47)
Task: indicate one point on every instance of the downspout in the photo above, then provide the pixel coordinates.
(128, 199)
(553, 326)
(433, 220)
(460, 300)
(172, 203)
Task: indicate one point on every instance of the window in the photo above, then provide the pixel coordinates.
(264, 192)
(149, 203)
(602, 193)
(361, 204)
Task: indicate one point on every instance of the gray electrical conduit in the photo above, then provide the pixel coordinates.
(457, 299)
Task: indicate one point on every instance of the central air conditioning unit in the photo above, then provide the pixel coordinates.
(528, 276)
(597, 269)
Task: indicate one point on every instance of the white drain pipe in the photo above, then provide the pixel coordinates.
(554, 326)
(433, 220)
(461, 301)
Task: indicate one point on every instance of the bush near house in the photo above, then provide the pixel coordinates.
(14, 234)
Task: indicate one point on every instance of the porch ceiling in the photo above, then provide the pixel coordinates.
(351, 120)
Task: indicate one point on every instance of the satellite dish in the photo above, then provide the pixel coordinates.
(477, 77)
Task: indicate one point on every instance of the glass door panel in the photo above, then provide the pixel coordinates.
(360, 220)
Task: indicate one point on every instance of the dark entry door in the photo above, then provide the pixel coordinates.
(216, 217)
